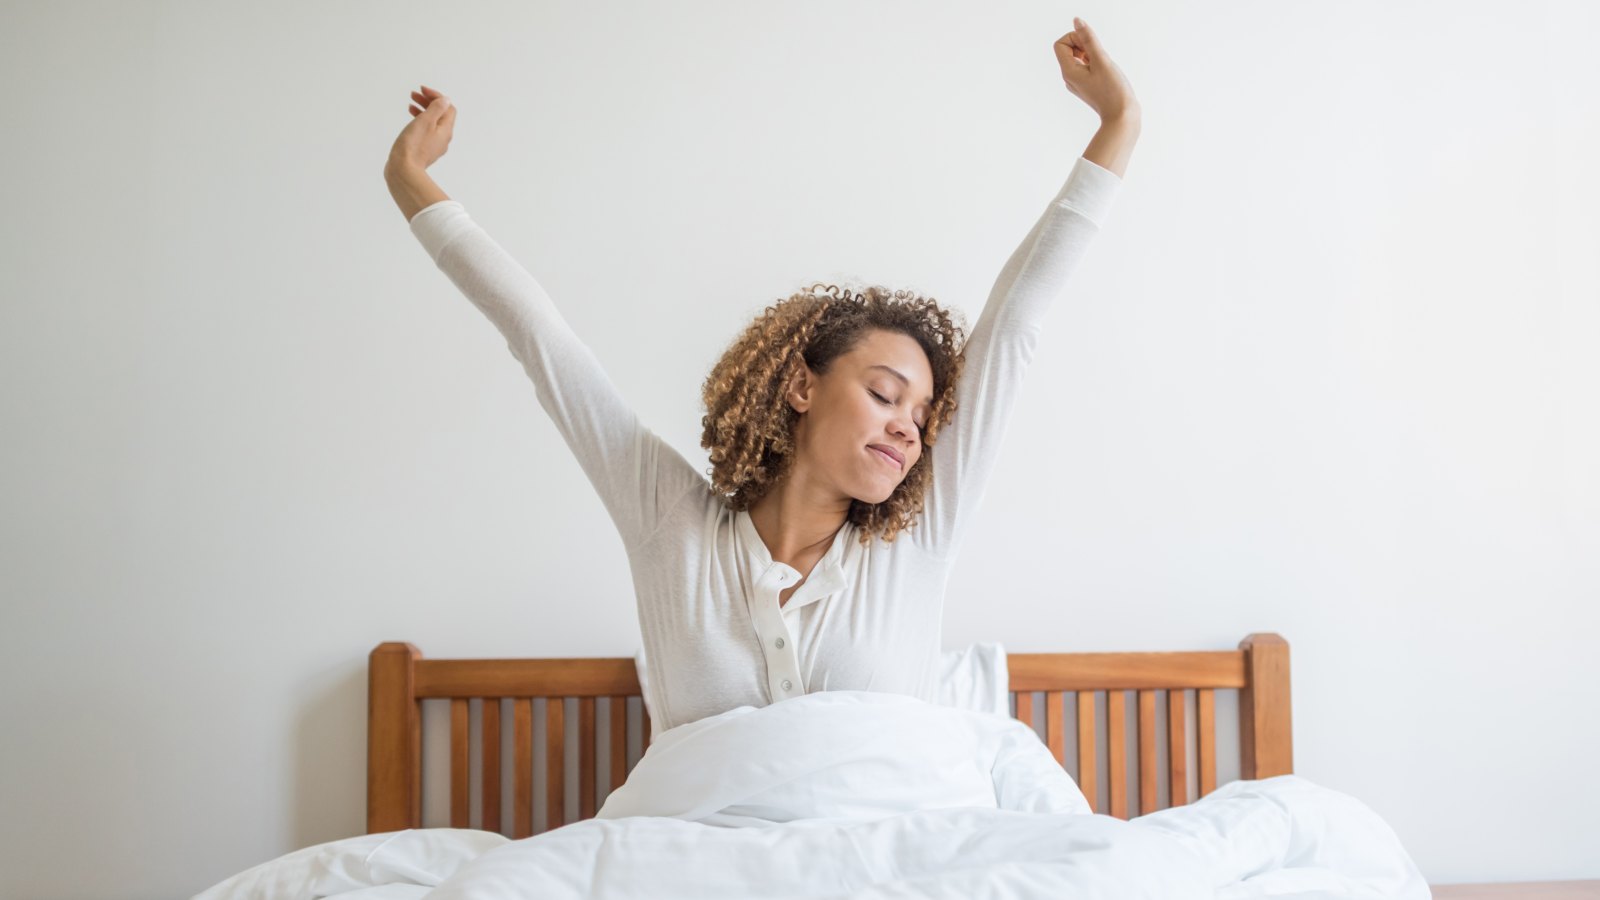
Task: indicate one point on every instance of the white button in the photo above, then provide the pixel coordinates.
(778, 643)
(786, 684)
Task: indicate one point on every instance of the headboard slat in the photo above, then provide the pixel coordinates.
(1055, 712)
(586, 767)
(491, 764)
(1206, 712)
(1087, 781)
(619, 740)
(522, 768)
(460, 765)
(1177, 748)
(1147, 752)
(555, 753)
(1116, 754)
(1025, 707)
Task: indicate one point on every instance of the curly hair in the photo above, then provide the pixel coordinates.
(749, 424)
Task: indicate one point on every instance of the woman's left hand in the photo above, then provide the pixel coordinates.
(1092, 76)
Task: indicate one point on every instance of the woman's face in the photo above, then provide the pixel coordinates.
(870, 407)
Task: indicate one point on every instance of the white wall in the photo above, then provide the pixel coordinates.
(1329, 371)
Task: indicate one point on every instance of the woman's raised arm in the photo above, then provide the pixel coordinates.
(420, 144)
(639, 477)
(1095, 78)
(1001, 345)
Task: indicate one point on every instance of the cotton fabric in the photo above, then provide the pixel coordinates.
(868, 617)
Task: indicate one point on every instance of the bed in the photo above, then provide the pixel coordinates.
(542, 773)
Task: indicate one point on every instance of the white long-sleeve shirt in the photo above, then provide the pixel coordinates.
(868, 617)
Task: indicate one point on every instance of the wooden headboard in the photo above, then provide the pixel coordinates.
(400, 679)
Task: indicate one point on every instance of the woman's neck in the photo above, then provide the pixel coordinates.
(797, 521)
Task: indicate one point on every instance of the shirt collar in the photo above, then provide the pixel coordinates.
(826, 578)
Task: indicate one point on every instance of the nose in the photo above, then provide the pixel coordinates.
(904, 426)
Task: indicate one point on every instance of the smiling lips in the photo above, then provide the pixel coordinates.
(889, 455)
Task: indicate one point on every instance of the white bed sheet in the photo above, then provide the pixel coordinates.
(862, 794)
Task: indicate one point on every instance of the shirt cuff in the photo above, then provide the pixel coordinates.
(437, 224)
(1090, 190)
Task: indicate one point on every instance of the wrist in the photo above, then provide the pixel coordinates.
(1129, 118)
(400, 169)
(411, 186)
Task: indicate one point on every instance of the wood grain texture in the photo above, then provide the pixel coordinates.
(586, 764)
(1266, 742)
(394, 739)
(555, 763)
(1147, 753)
(1177, 750)
(619, 741)
(491, 765)
(460, 765)
(558, 677)
(1116, 754)
(1025, 707)
(1055, 726)
(1104, 671)
(522, 768)
(1088, 780)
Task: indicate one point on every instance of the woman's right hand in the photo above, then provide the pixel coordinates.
(426, 137)
(1091, 75)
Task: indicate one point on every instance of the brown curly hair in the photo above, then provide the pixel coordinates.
(749, 424)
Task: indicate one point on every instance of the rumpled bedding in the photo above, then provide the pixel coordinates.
(861, 794)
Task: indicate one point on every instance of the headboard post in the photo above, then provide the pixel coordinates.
(394, 739)
(1266, 736)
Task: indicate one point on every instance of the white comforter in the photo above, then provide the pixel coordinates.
(862, 794)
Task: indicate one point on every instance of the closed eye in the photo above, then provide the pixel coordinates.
(886, 402)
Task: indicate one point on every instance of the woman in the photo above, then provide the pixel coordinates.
(787, 572)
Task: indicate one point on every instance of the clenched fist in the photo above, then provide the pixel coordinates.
(1091, 75)
(426, 137)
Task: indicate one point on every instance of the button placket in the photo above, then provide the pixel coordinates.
(783, 663)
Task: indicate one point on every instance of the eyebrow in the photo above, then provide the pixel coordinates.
(903, 379)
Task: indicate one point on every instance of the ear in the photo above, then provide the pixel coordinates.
(802, 388)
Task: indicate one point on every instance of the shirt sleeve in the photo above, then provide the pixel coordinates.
(638, 476)
(1000, 347)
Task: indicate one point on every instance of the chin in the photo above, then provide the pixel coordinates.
(878, 496)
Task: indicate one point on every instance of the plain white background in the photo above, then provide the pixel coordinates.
(1330, 370)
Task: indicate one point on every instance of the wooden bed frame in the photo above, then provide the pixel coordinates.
(400, 679)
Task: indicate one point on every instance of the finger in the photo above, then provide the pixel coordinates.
(1076, 46)
(413, 110)
(419, 98)
(439, 105)
(430, 92)
(1091, 39)
(1078, 54)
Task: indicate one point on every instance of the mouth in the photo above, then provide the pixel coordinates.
(888, 455)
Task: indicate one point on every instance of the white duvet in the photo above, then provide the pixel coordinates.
(864, 794)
